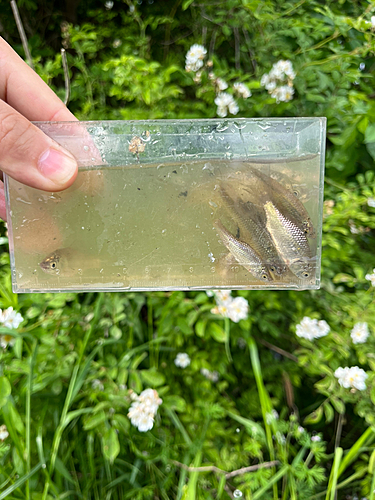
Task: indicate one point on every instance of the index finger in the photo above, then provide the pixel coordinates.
(26, 92)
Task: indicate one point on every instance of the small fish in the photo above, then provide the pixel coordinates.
(252, 230)
(254, 187)
(290, 241)
(67, 262)
(287, 202)
(243, 253)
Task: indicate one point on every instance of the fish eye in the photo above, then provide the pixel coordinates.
(264, 277)
(272, 269)
(53, 265)
(305, 274)
(296, 193)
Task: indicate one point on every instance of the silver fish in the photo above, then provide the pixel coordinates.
(254, 187)
(290, 241)
(252, 230)
(287, 202)
(243, 253)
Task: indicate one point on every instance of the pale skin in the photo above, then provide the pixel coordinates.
(26, 153)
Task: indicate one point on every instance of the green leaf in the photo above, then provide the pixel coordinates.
(315, 98)
(111, 445)
(152, 377)
(5, 390)
(370, 134)
(338, 405)
(121, 423)
(186, 4)
(217, 332)
(93, 421)
(200, 327)
(315, 416)
(328, 412)
(174, 403)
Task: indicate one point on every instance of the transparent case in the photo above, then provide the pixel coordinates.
(175, 205)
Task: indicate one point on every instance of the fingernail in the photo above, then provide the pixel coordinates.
(56, 165)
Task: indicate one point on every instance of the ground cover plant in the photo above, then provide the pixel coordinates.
(173, 395)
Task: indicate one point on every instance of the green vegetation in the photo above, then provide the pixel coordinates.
(255, 395)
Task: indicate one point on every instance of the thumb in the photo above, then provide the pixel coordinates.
(30, 156)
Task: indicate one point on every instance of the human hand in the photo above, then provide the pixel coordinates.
(26, 153)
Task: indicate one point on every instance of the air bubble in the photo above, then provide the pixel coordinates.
(237, 430)
(85, 148)
(237, 493)
(211, 257)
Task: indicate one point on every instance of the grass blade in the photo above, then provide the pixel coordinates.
(20, 481)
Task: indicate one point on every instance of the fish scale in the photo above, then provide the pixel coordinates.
(290, 241)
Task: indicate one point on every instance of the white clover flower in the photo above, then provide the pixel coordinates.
(360, 333)
(224, 101)
(143, 409)
(276, 73)
(265, 80)
(108, 5)
(3, 432)
(194, 57)
(96, 384)
(213, 376)
(238, 309)
(223, 296)
(150, 398)
(371, 277)
(221, 84)
(271, 86)
(193, 66)
(283, 93)
(221, 310)
(324, 328)
(7, 340)
(116, 43)
(371, 201)
(182, 360)
(222, 111)
(282, 69)
(316, 439)
(373, 22)
(286, 68)
(233, 108)
(10, 318)
(300, 429)
(242, 90)
(351, 377)
(311, 329)
(196, 52)
(141, 417)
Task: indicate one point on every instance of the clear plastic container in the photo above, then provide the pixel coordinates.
(175, 205)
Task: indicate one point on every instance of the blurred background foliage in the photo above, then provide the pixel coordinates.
(64, 385)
